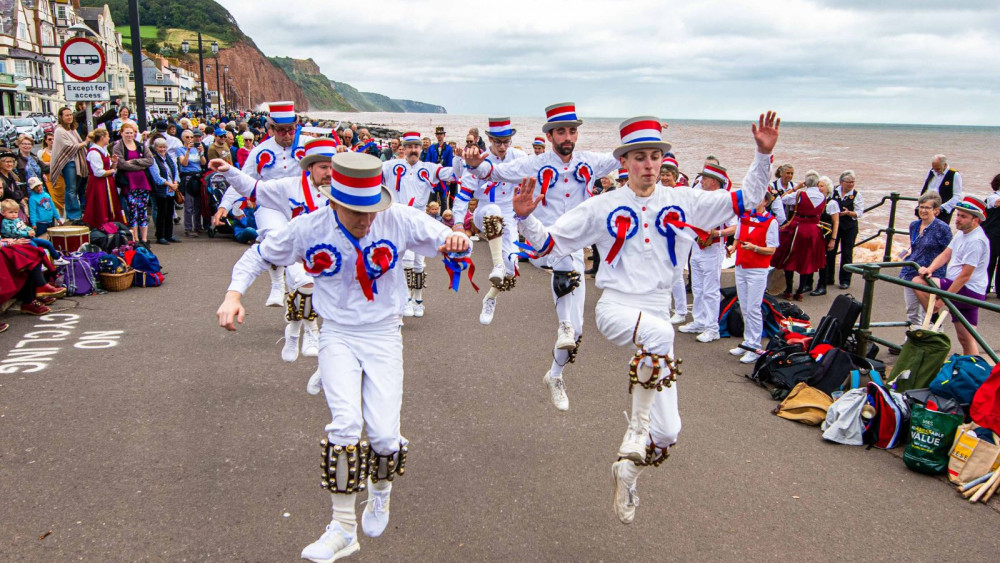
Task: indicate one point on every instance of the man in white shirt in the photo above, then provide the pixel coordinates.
(351, 249)
(967, 257)
(852, 208)
(636, 229)
(947, 182)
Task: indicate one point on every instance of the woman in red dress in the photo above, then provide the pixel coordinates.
(102, 205)
(802, 249)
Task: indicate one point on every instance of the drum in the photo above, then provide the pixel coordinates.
(68, 238)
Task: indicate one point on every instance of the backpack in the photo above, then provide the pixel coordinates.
(834, 368)
(784, 371)
(78, 276)
(936, 402)
(985, 408)
(923, 354)
(887, 429)
(147, 279)
(145, 261)
(960, 377)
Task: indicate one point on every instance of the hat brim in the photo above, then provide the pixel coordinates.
(382, 204)
(975, 213)
(557, 124)
(308, 161)
(512, 133)
(271, 121)
(622, 149)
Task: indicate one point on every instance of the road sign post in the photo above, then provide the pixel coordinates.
(82, 59)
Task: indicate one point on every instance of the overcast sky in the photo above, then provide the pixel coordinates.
(883, 61)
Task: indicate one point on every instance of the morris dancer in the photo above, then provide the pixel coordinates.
(412, 181)
(285, 199)
(352, 250)
(756, 240)
(669, 175)
(273, 159)
(564, 179)
(495, 216)
(538, 145)
(636, 228)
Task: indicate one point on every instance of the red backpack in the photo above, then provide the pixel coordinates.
(985, 410)
(888, 428)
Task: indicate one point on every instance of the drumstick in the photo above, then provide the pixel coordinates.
(986, 486)
(972, 491)
(930, 311)
(993, 489)
(974, 482)
(940, 321)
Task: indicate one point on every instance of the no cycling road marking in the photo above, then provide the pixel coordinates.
(36, 349)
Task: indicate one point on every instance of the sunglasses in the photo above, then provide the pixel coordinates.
(284, 131)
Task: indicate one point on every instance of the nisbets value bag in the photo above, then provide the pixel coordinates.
(960, 377)
(931, 436)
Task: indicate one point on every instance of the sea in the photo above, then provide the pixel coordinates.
(885, 158)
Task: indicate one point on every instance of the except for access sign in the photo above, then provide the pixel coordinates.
(82, 59)
(87, 91)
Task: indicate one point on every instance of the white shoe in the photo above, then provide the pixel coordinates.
(557, 387)
(277, 296)
(690, 328)
(474, 238)
(408, 308)
(565, 338)
(678, 318)
(489, 306)
(497, 274)
(634, 444)
(376, 515)
(290, 352)
(737, 351)
(315, 384)
(626, 498)
(418, 310)
(334, 544)
(708, 336)
(310, 339)
(750, 358)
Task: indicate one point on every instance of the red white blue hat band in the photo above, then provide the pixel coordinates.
(539, 142)
(561, 115)
(317, 150)
(411, 137)
(643, 132)
(500, 127)
(282, 112)
(622, 174)
(972, 206)
(669, 161)
(717, 172)
(356, 183)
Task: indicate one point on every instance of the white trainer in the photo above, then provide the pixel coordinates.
(634, 443)
(626, 497)
(489, 307)
(408, 308)
(290, 352)
(418, 310)
(749, 358)
(565, 337)
(310, 339)
(315, 384)
(474, 238)
(708, 336)
(737, 351)
(557, 388)
(690, 328)
(276, 298)
(376, 515)
(334, 544)
(678, 318)
(497, 274)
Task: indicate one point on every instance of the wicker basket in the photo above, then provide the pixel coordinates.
(117, 282)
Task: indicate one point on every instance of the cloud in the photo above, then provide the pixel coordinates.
(823, 59)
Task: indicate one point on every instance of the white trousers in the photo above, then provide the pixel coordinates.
(362, 373)
(413, 261)
(706, 272)
(616, 316)
(296, 276)
(750, 285)
(509, 249)
(679, 292)
(569, 307)
(914, 311)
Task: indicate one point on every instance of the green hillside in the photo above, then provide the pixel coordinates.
(206, 16)
(318, 89)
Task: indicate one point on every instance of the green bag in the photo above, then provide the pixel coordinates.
(931, 436)
(923, 354)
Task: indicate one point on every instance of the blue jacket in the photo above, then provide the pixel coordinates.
(446, 156)
(41, 209)
(161, 177)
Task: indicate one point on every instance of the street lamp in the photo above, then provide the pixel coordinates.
(185, 46)
(225, 71)
(218, 83)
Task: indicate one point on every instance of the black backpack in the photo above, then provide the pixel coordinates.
(833, 369)
(785, 371)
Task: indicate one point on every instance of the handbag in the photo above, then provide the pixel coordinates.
(804, 404)
(971, 456)
(178, 196)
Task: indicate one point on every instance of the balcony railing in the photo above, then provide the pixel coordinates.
(39, 83)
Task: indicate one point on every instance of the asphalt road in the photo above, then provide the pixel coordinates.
(184, 442)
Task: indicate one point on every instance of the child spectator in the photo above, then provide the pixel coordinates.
(448, 218)
(244, 223)
(434, 210)
(14, 228)
(41, 210)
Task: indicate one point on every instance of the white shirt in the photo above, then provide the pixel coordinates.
(285, 195)
(337, 296)
(777, 209)
(956, 189)
(832, 208)
(644, 264)
(502, 193)
(174, 146)
(568, 189)
(772, 238)
(94, 160)
(416, 183)
(859, 200)
(992, 199)
(971, 249)
(285, 164)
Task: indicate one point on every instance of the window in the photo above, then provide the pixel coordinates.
(48, 36)
(21, 67)
(168, 94)
(61, 12)
(22, 30)
(159, 76)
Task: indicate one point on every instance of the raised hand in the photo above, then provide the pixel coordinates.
(765, 132)
(473, 157)
(218, 165)
(524, 198)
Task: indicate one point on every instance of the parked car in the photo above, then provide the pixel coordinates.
(8, 133)
(46, 122)
(27, 126)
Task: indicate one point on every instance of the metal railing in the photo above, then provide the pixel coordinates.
(890, 231)
(872, 272)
